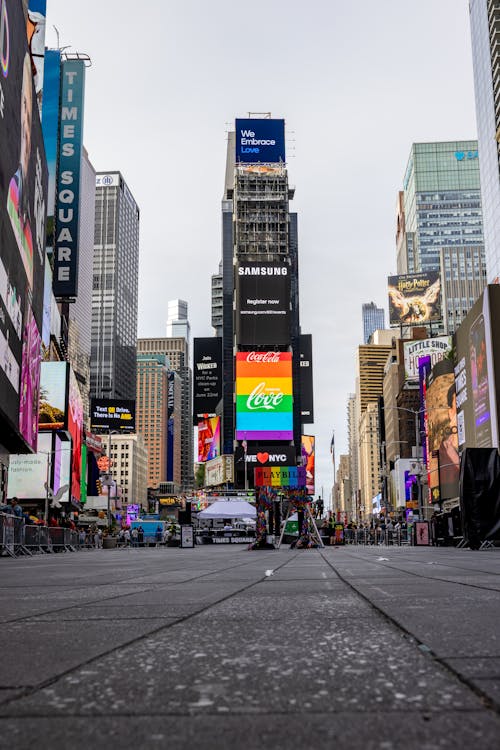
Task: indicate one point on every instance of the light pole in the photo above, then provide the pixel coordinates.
(110, 485)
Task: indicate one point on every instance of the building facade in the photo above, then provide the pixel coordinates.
(176, 350)
(152, 413)
(439, 221)
(485, 20)
(129, 468)
(114, 289)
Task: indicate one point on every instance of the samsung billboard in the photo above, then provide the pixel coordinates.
(260, 141)
(262, 304)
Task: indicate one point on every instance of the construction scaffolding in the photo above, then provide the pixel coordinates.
(261, 196)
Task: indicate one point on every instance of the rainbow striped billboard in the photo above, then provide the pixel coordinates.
(264, 401)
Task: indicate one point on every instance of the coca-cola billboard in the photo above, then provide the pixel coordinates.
(264, 401)
(262, 304)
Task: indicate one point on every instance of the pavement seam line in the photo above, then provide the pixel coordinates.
(487, 701)
(27, 692)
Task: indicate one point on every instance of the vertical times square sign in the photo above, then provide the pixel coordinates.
(65, 282)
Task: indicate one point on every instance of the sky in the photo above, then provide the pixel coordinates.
(357, 84)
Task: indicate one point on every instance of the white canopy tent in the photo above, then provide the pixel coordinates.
(228, 509)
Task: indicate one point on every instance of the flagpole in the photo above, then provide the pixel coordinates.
(332, 451)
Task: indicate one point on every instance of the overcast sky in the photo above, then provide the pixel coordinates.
(357, 83)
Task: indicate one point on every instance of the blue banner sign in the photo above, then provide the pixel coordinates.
(260, 141)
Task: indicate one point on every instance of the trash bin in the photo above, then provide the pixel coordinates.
(109, 542)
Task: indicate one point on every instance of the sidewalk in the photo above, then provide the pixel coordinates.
(364, 648)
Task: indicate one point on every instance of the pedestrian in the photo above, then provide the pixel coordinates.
(140, 535)
(158, 535)
(16, 508)
(126, 537)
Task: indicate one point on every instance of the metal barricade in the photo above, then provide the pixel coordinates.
(19, 533)
(7, 534)
(37, 538)
(60, 539)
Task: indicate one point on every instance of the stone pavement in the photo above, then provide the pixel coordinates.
(218, 647)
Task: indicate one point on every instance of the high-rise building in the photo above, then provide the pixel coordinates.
(152, 413)
(129, 467)
(439, 220)
(373, 320)
(177, 320)
(115, 289)
(177, 352)
(217, 301)
(485, 21)
(257, 228)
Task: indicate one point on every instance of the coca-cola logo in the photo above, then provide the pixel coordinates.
(272, 357)
(264, 398)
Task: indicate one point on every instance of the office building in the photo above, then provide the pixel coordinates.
(114, 289)
(485, 20)
(151, 413)
(177, 353)
(439, 221)
(257, 227)
(177, 320)
(129, 468)
(373, 320)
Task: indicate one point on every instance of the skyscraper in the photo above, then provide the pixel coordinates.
(177, 352)
(439, 222)
(485, 19)
(373, 320)
(152, 421)
(115, 289)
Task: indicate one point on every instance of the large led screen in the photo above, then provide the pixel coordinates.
(75, 428)
(306, 379)
(308, 451)
(414, 299)
(443, 458)
(28, 472)
(208, 439)
(53, 396)
(112, 414)
(23, 199)
(264, 401)
(260, 141)
(476, 372)
(207, 376)
(262, 304)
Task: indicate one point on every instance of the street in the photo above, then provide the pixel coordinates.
(218, 647)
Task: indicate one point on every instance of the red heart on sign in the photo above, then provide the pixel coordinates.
(262, 457)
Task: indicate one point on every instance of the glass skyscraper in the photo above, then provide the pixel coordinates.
(485, 21)
(114, 290)
(439, 222)
(373, 320)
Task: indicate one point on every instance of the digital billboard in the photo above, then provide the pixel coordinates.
(112, 414)
(28, 472)
(262, 304)
(306, 379)
(443, 460)
(269, 455)
(436, 348)
(280, 476)
(264, 400)
(208, 439)
(414, 299)
(477, 372)
(53, 396)
(260, 141)
(207, 376)
(68, 179)
(308, 452)
(75, 429)
(23, 197)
